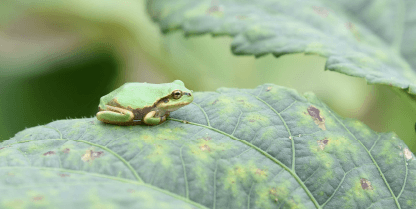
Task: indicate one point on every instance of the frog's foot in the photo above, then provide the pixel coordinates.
(115, 115)
(150, 118)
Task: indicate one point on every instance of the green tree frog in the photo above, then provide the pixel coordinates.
(143, 103)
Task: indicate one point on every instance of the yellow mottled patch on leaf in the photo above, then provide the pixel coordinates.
(97, 202)
(206, 149)
(268, 196)
(256, 118)
(360, 190)
(245, 103)
(387, 147)
(361, 127)
(344, 147)
(160, 154)
(260, 174)
(235, 176)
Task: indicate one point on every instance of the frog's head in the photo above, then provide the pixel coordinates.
(179, 96)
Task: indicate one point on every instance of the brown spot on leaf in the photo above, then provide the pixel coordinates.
(321, 11)
(251, 120)
(48, 153)
(66, 150)
(206, 138)
(214, 7)
(407, 153)
(269, 88)
(322, 143)
(37, 198)
(261, 172)
(90, 155)
(63, 175)
(366, 184)
(215, 102)
(273, 191)
(273, 194)
(205, 147)
(353, 29)
(317, 117)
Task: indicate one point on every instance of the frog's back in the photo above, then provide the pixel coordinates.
(137, 95)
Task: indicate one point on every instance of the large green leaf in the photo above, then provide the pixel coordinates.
(359, 38)
(267, 147)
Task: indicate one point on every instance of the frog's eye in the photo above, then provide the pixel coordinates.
(177, 94)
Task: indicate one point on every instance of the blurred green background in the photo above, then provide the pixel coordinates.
(59, 57)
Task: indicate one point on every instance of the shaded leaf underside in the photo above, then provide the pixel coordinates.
(359, 38)
(235, 148)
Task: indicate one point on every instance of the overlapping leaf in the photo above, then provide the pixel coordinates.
(235, 148)
(360, 38)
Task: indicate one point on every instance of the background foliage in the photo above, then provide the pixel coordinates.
(58, 57)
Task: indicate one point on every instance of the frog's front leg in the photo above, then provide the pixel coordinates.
(150, 118)
(115, 115)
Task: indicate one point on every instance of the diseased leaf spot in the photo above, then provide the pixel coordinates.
(317, 117)
(215, 102)
(37, 198)
(91, 155)
(215, 9)
(322, 143)
(269, 88)
(407, 153)
(66, 150)
(48, 153)
(205, 148)
(353, 29)
(366, 184)
(63, 175)
(273, 194)
(321, 11)
(261, 172)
